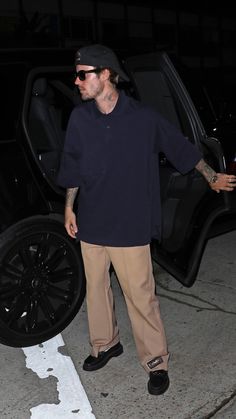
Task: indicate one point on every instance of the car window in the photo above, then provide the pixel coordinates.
(12, 86)
(154, 89)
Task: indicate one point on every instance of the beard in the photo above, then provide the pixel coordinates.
(90, 92)
(84, 95)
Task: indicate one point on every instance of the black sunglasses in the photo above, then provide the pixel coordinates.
(82, 73)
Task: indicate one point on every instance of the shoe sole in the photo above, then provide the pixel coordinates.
(158, 391)
(101, 364)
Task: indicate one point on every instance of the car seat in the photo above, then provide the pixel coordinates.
(45, 131)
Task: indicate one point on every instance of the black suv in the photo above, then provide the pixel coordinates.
(41, 271)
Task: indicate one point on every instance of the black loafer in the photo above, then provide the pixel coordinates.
(93, 363)
(158, 382)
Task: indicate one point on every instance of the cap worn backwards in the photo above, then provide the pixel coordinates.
(99, 56)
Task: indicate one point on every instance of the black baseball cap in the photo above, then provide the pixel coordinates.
(99, 56)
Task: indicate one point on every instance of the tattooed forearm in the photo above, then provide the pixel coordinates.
(70, 196)
(205, 170)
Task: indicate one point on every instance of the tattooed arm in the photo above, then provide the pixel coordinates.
(70, 197)
(70, 218)
(217, 181)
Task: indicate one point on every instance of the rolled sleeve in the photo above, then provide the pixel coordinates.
(69, 173)
(179, 150)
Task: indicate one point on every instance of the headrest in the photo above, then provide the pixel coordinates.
(40, 87)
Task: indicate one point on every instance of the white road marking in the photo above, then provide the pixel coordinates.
(45, 360)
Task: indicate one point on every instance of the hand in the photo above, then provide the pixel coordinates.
(70, 222)
(224, 182)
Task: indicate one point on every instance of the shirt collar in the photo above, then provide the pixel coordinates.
(120, 104)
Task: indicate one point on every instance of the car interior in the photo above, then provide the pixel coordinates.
(50, 105)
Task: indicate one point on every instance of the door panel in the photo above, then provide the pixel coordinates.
(183, 197)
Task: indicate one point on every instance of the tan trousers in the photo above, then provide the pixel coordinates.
(133, 267)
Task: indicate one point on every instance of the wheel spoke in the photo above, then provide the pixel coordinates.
(32, 315)
(42, 252)
(58, 293)
(8, 291)
(16, 309)
(10, 271)
(56, 258)
(26, 257)
(61, 275)
(47, 309)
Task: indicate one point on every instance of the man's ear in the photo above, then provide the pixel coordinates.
(105, 74)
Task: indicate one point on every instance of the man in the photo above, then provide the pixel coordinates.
(111, 158)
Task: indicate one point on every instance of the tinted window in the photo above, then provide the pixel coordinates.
(12, 85)
(155, 90)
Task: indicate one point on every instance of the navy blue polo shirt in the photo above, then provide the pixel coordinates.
(113, 159)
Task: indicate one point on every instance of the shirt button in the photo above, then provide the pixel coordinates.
(108, 126)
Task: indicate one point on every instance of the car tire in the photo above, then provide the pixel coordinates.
(42, 281)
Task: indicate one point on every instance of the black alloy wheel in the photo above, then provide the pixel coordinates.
(42, 282)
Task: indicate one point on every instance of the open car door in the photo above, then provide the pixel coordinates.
(190, 208)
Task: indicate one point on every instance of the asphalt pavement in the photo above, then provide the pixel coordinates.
(47, 381)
